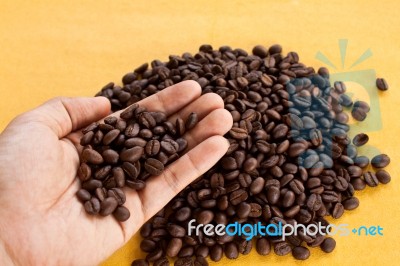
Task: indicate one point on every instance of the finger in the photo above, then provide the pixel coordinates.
(161, 189)
(171, 99)
(64, 115)
(218, 122)
(201, 106)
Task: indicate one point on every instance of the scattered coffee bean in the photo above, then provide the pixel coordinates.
(380, 161)
(301, 253)
(328, 245)
(383, 176)
(381, 84)
(360, 139)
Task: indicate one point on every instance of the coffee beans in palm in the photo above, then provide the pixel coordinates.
(290, 157)
(124, 152)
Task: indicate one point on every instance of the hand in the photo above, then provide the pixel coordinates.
(41, 220)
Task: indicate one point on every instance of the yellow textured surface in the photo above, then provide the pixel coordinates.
(72, 48)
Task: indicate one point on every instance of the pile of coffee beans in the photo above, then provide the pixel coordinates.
(124, 152)
(290, 158)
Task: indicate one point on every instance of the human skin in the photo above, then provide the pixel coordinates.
(41, 220)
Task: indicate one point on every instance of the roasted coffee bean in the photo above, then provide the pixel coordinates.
(153, 166)
(371, 179)
(83, 195)
(238, 196)
(238, 133)
(110, 156)
(132, 155)
(351, 203)
(91, 184)
(328, 245)
(121, 213)
(243, 210)
(174, 246)
(282, 248)
(257, 185)
(101, 193)
(300, 253)
(92, 156)
(176, 230)
(169, 146)
(118, 194)
(361, 161)
(337, 211)
(110, 136)
(358, 114)
(216, 253)
(200, 261)
(380, 161)
(381, 84)
(263, 246)
(231, 251)
(92, 206)
(152, 147)
(191, 121)
(360, 139)
(161, 262)
(108, 206)
(140, 262)
(84, 172)
(383, 176)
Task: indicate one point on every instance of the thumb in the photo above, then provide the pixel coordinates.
(65, 115)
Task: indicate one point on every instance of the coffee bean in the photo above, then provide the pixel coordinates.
(361, 161)
(358, 114)
(380, 161)
(328, 245)
(351, 203)
(263, 246)
(381, 84)
(238, 196)
(216, 253)
(174, 246)
(92, 206)
(191, 121)
(84, 172)
(337, 211)
(83, 195)
(371, 179)
(118, 194)
(110, 136)
(300, 253)
(360, 139)
(140, 262)
(184, 262)
(92, 156)
(169, 146)
(152, 147)
(231, 251)
(131, 155)
(161, 262)
(200, 261)
(153, 166)
(121, 213)
(282, 248)
(238, 133)
(110, 156)
(91, 184)
(358, 183)
(108, 206)
(383, 176)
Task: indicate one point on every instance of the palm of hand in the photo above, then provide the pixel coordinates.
(42, 221)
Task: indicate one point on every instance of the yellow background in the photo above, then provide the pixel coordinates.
(72, 48)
